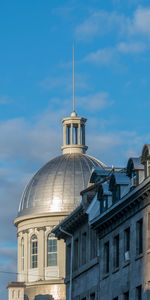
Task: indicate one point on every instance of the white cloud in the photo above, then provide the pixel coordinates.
(140, 24)
(115, 147)
(104, 56)
(100, 23)
(95, 102)
(103, 22)
(131, 47)
(111, 55)
(65, 82)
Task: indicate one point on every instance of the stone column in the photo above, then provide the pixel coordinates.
(19, 256)
(71, 133)
(41, 253)
(26, 256)
(64, 135)
(79, 136)
(83, 135)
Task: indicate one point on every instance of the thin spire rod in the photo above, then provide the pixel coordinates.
(73, 83)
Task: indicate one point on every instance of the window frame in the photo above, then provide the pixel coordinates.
(52, 243)
(34, 251)
(139, 236)
(116, 251)
(22, 254)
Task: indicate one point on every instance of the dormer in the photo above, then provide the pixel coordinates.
(104, 196)
(145, 159)
(135, 171)
(118, 185)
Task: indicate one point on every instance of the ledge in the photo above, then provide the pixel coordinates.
(139, 256)
(115, 270)
(106, 276)
(83, 268)
(127, 263)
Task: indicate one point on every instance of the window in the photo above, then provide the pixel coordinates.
(34, 251)
(116, 251)
(93, 244)
(51, 250)
(139, 237)
(92, 296)
(106, 257)
(116, 193)
(18, 293)
(133, 178)
(84, 241)
(76, 254)
(13, 294)
(68, 259)
(139, 292)
(148, 167)
(126, 296)
(22, 254)
(127, 244)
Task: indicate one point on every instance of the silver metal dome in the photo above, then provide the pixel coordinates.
(57, 185)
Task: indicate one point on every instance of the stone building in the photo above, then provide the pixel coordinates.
(51, 195)
(117, 208)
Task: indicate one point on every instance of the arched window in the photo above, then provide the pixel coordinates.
(22, 254)
(51, 250)
(13, 294)
(145, 159)
(34, 251)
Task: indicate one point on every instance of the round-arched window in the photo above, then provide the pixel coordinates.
(51, 250)
(34, 251)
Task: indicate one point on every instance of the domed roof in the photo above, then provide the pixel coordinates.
(57, 185)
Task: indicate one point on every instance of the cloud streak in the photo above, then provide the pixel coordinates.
(103, 22)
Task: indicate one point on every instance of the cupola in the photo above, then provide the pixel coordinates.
(74, 134)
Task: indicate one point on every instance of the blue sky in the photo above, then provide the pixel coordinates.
(112, 63)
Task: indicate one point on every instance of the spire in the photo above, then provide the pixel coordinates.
(74, 129)
(73, 113)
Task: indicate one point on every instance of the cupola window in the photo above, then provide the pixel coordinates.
(51, 250)
(34, 251)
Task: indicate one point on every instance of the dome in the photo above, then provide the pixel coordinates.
(57, 185)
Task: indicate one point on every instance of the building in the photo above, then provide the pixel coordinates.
(51, 195)
(117, 208)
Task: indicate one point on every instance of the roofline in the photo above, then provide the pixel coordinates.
(119, 204)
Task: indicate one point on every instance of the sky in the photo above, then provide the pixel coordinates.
(112, 90)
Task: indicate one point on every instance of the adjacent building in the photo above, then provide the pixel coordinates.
(108, 236)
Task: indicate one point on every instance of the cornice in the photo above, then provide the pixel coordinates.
(71, 223)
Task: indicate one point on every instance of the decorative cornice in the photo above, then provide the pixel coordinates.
(71, 223)
(41, 228)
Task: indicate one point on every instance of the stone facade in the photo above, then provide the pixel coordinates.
(117, 208)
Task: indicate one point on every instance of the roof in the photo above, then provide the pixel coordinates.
(56, 186)
(134, 163)
(145, 153)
